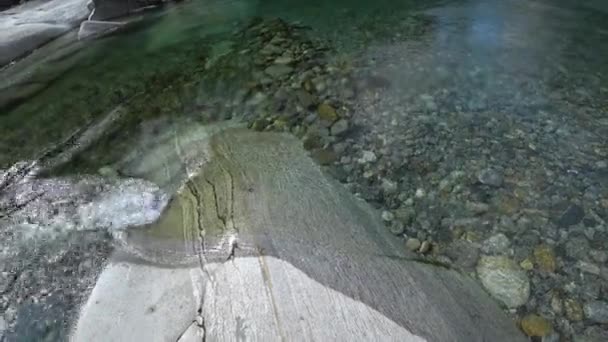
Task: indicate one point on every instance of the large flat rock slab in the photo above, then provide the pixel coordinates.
(29, 26)
(288, 254)
(288, 305)
(151, 304)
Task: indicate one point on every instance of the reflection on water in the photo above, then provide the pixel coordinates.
(477, 127)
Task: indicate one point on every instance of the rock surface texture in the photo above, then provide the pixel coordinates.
(261, 245)
(504, 279)
(27, 27)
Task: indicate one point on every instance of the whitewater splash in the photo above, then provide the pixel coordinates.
(33, 207)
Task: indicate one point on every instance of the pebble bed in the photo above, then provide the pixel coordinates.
(519, 202)
(492, 163)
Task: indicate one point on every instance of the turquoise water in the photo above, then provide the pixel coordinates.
(476, 126)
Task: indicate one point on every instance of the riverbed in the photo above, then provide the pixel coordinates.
(476, 128)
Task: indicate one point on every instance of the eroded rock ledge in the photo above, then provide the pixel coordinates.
(261, 244)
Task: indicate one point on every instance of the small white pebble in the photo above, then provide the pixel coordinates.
(387, 216)
(420, 193)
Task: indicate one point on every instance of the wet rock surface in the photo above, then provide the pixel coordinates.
(514, 199)
(47, 282)
(243, 235)
(478, 159)
(56, 236)
(30, 25)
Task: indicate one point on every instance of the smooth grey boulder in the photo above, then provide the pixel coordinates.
(282, 253)
(504, 279)
(36, 71)
(151, 304)
(29, 26)
(21, 39)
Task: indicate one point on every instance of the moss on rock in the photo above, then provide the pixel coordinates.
(536, 326)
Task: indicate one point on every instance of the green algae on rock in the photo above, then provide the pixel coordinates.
(545, 258)
(327, 113)
(536, 326)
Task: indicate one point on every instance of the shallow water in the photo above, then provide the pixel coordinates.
(479, 126)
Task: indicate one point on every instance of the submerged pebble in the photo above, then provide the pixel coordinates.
(496, 244)
(536, 326)
(571, 216)
(504, 279)
(596, 311)
(413, 245)
(491, 177)
(278, 70)
(367, 157)
(340, 127)
(387, 216)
